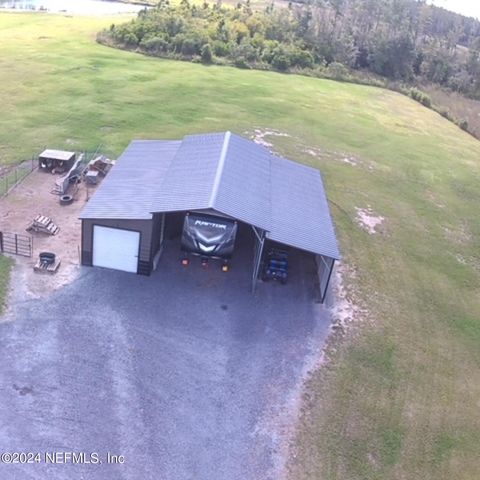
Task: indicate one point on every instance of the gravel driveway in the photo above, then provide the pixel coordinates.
(184, 373)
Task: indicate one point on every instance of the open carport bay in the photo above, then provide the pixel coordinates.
(185, 373)
(302, 266)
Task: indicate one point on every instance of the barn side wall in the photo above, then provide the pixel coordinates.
(156, 233)
(145, 261)
(324, 270)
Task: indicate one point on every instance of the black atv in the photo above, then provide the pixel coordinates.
(276, 266)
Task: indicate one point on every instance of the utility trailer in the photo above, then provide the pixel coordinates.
(209, 237)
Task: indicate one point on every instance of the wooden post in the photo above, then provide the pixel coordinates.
(1, 241)
(16, 245)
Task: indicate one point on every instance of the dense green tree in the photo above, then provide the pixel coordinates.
(207, 55)
(401, 40)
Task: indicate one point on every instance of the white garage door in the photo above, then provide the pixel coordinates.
(115, 248)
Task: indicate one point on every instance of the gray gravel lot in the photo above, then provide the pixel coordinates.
(184, 373)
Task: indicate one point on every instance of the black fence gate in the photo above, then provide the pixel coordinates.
(16, 244)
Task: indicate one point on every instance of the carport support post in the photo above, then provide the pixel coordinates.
(260, 237)
(162, 231)
(323, 294)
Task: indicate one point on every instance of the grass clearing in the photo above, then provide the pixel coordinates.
(399, 398)
(5, 267)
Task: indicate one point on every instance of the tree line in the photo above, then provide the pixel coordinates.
(400, 40)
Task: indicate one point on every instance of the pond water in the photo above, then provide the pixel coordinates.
(86, 7)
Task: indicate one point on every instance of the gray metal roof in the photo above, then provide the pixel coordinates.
(244, 186)
(224, 172)
(126, 193)
(57, 154)
(300, 213)
(188, 182)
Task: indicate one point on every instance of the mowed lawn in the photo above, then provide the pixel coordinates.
(400, 396)
(5, 267)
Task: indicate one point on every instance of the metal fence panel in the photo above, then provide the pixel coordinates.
(14, 175)
(16, 244)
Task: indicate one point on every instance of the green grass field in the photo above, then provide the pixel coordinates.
(5, 266)
(400, 397)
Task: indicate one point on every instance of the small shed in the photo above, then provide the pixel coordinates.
(56, 161)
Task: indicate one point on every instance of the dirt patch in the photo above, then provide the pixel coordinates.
(345, 310)
(33, 196)
(368, 219)
(432, 197)
(311, 151)
(468, 262)
(459, 236)
(340, 157)
(320, 153)
(350, 160)
(259, 136)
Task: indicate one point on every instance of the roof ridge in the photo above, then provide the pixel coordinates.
(220, 167)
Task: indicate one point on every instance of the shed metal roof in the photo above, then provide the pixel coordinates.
(224, 172)
(57, 155)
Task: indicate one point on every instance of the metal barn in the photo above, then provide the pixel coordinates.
(154, 182)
